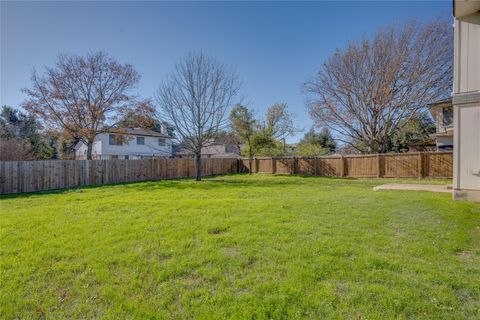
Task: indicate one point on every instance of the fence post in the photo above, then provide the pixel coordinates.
(87, 171)
(343, 166)
(420, 165)
(426, 164)
(256, 165)
(274, 165)
(380, 166)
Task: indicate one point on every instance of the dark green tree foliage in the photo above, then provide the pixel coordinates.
(16, 124)
(23, 128)
(415, 130)
(323, 139)
(244, 126)
(62, 147)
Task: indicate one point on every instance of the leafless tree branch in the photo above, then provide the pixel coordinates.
(367, 91)
(195, 98)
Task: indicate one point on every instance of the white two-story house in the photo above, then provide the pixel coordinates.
(128, 143)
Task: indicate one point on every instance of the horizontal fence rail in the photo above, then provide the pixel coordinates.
(396, 165)
(30, 176)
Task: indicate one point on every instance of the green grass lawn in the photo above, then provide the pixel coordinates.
(256, 247)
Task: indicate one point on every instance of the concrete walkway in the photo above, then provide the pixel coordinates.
(414, 187)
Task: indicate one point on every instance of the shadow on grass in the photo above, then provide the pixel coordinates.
(79, 189)
(208, 183)
(240, 180)
(237, 180)
(246, 181)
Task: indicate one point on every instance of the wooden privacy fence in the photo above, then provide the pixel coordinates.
(29, 176)
(397, 165)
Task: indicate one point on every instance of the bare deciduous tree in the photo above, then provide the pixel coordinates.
(195, 98)
(367, 91)
(83, 96)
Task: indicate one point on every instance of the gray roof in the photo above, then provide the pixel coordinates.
(140, 132)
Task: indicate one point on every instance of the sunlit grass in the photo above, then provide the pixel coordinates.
(240, 247)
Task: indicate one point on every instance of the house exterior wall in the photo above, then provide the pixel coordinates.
(81, 151)
(103, 149)
(467, 53)
(130, 147)
(466, 101)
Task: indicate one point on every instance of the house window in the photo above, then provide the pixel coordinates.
(115, 140)
(141, 140)
(162, 143)
(447, 117)
(114, 156)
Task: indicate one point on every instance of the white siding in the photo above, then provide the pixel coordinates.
(467, 54)
(466, 168)
(467, 155)
(103, 150)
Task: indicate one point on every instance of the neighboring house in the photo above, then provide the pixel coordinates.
(442, 113)
(128, 143)
(221, 150)
(466, 100)
(423, 145)
(290, 148)
(216, 150)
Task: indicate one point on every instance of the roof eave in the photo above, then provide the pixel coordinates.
(463, 8)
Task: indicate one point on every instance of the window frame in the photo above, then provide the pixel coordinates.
(142, 139)
(115, 139)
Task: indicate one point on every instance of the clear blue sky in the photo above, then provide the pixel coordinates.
(274, 46)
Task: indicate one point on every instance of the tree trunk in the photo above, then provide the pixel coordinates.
(198, 167)
(89, 150)
(250, 165)
(382, 147)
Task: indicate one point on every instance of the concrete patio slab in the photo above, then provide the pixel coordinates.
(414, 187)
